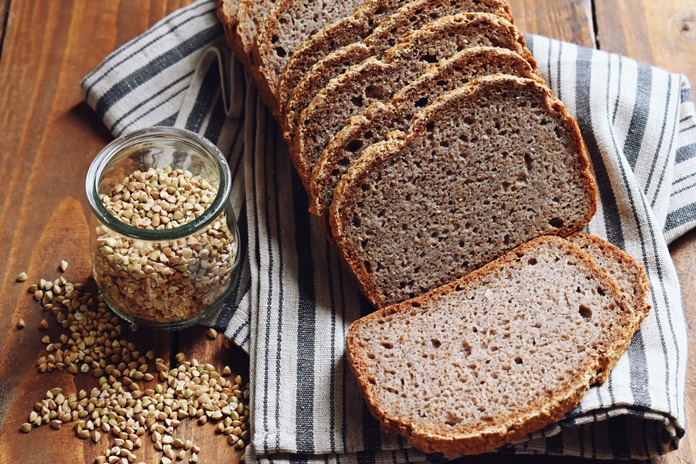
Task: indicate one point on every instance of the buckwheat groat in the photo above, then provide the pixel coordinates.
(168, 280)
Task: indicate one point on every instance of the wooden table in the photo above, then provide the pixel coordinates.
(48, 138)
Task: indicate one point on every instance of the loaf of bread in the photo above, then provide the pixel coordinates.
(354, 29)
(445, 174)
(379, 119)
(405, 20)
(485, 168)
(379, 79)
(485, 360)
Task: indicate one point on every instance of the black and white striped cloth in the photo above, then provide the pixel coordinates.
(292, 306)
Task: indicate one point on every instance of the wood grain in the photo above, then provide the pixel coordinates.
(49, 138)
(660, 33)
(569, 20)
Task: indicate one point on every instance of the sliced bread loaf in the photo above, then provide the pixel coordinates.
(628, 274)
(501, 353)
(380, 119)
(290, 23)
(482, 170)
(378, 80)
(406, 19)
(334, 36)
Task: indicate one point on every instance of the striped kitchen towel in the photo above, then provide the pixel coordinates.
(291, 309)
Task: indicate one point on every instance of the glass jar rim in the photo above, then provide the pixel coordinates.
(102, 161)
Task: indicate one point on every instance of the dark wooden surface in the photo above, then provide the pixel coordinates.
(49, 137)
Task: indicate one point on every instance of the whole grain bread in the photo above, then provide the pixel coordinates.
(288, 24)
(482, 170)
(486, 360)
(380, 119)
(379, 79)
(348, 30)
(407, 19)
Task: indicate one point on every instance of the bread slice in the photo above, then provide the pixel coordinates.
(406, 19)
(499, 354)
(629, 275)
(382, 118)
(482, 170)
(290, 23)
(378, 80)
(351, 29)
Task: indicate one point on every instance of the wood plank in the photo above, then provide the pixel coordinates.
(569, 20)
(48, 140)
(662, 34)
(44, 121)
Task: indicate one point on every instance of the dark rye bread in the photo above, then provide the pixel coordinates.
(350, 30)
(380, 119)
(354, 28)
(629, 275)
(409, 18)
(378, 80)
(485, 168)
(501, 353)
(288, 24)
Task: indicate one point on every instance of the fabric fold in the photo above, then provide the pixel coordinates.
(294, 301)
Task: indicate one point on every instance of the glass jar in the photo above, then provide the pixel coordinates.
(163, 275)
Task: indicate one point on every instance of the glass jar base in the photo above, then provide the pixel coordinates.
(173, 325)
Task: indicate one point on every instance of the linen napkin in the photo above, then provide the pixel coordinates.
(294, 302)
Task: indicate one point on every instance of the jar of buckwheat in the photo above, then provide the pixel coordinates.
(164, 238)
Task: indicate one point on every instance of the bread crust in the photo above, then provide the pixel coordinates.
(376, 157)
(227, 14)
(513, 428)
(638, 295)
